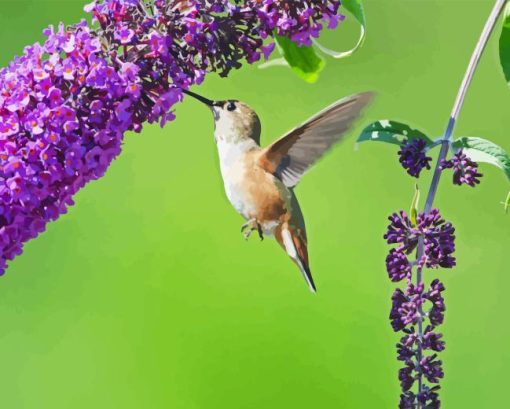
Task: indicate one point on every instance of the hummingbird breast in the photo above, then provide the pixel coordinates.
(253, 192)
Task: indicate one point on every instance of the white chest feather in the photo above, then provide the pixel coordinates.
(234, 173)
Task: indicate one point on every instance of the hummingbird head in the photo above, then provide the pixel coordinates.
(234, 121)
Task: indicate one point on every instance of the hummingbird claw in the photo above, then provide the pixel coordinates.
(252, 225)
(249, 223)
(261, 234)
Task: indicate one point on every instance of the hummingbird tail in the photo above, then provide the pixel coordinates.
(294, 243)
(307, 274)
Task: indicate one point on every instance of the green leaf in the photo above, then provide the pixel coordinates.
(504, 44)
(303, 60)
(391, 132)
(356, 9)
(482, 150)
(414, 206)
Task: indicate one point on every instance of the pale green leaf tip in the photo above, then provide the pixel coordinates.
(414, 206)
(311, 79)
(507, 203)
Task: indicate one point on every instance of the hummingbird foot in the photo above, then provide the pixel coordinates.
(249, 227)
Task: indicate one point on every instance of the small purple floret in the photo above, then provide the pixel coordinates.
(397, 265)
(439, 239)
(465, 171)
(432, 368)
(413, 156)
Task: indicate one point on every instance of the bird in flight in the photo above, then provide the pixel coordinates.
(259, 182)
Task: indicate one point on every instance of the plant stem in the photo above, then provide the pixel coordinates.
(445, 147)
(459, 102)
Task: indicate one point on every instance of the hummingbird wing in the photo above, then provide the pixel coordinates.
(292, 155)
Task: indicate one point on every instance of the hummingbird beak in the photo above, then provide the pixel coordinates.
(202, 99)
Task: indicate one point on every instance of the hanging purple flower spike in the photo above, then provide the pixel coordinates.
(65, 105)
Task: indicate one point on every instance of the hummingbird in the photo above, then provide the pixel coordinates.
(259, 182)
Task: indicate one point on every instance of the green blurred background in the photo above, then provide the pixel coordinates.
(146, 295)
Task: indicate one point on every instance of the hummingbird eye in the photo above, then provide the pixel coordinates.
(231, 106)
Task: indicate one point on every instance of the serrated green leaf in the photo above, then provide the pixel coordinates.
(482, 150)
(356, 9)
(414, 206)
(304, 61)
(391, 132)
(504, 44)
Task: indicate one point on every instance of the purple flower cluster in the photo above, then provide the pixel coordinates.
(63, 110)
(410, 309)
(301, 22)
(465, 171)
(413, 306)
(188, 38)
(65, 105)
(438, 238)
(412, 156)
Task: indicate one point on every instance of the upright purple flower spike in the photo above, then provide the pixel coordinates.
(412, 308)
(417, 311)
(413, 157)
(65, 105)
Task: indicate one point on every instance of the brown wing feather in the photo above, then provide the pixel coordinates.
(299, 242)
(292, 155)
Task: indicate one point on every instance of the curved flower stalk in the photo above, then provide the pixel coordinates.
(65, 105)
